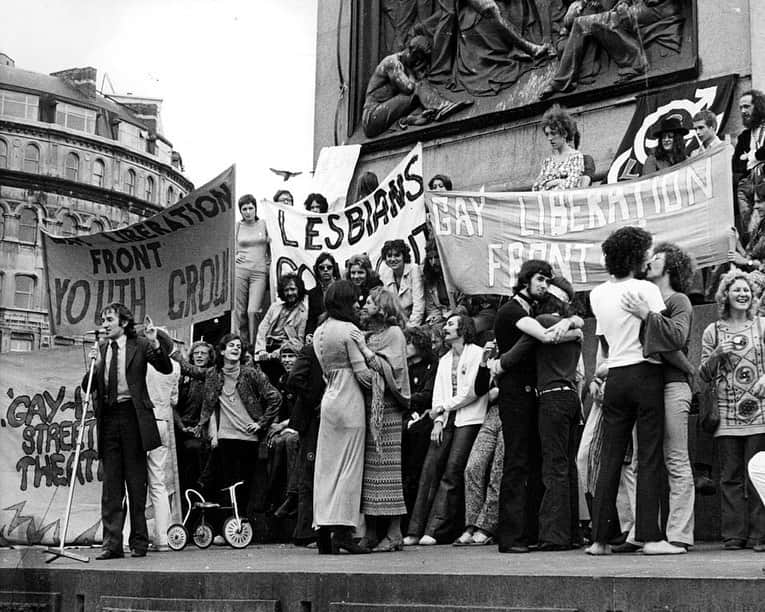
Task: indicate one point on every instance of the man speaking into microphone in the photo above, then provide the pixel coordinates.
(125, 423)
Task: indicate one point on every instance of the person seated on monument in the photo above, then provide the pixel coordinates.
(564, 168)
(362, 275)
(403, 279)
(282, 196)
(285, 319)
(399, 92)
(316, 203)
(705, 133)
(440, 182)
(621, 30)
(670, 149)
(284, 442)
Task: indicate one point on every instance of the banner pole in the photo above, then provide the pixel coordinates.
(60, 552)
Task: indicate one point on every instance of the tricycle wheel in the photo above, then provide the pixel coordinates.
(177, 536)
(237, 538)
(203, 535)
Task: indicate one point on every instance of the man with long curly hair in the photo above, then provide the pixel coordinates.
(634, 394)
(749, 156)
(667, 334)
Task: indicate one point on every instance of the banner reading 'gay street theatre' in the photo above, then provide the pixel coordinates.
(39, 425)
(176, 266)
(396, 209)
(483, 238)
(41, 406)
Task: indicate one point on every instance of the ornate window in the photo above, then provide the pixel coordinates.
(99, 170)
(130, 182)
(72, 166)
(96, 227)
(28, 226)
(149, 189)
(3, 154)
(32, 159)
(68, 226)
(170, 196)
(24, 292)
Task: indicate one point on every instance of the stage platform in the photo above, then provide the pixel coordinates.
(434, 579)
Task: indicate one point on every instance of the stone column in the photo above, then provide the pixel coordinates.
(757, 40)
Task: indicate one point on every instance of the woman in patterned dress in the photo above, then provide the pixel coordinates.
(565, 167)
(733, 360)
(384, 349)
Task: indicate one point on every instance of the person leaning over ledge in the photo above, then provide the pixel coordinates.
(563, 169)
(125, 423)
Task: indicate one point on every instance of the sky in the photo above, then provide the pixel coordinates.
(236, 76)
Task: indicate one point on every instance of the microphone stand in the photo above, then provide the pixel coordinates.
(61, 551)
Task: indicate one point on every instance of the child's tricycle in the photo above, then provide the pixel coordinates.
(236, 531)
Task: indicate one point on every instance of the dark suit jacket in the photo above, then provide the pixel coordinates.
(138, 354)
(306, 380)
(315, 309)
(743, 145)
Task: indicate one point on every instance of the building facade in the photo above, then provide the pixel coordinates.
(72, 161)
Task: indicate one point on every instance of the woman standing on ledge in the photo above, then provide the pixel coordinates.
(252, 263)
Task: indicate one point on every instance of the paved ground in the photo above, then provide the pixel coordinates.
(705, 561)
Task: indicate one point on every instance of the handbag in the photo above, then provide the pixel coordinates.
(709, 411)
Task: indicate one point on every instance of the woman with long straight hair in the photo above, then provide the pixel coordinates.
(339, 466)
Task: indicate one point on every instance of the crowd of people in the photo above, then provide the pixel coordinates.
(377, 410)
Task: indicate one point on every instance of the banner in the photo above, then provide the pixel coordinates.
(176, 266)
(687, 99)
(395, 210)
(333, 174)
(39, 425)
(42, 405)
(483, 238)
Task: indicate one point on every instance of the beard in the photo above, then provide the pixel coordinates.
(747, 121)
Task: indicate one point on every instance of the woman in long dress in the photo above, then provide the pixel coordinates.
(339, 464)
(384, 349)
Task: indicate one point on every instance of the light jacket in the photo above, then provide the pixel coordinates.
(471, 410)
(294, 325)
(411, 292)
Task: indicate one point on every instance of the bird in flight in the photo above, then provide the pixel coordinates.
(285, 174)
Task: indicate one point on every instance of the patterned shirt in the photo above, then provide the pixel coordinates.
(569, 169)
(741, 412)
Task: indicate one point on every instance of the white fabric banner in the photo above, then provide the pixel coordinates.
(333, 174)
(396, 209)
